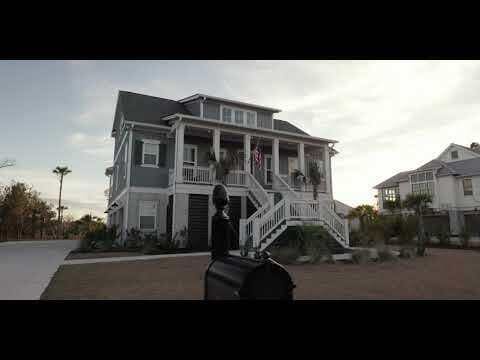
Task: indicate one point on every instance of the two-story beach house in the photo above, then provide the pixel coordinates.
(453, 180)
(164, 170)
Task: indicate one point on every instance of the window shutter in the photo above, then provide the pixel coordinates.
(162, 155)
(138, 152)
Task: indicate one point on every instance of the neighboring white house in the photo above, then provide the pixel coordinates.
(162, 178)
(453, 180)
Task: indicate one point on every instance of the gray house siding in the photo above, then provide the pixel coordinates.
(119, 173)
(211, 110)
(134, 208)
(148, 176)
(194, 107)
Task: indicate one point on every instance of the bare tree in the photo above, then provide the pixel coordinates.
(6, 162)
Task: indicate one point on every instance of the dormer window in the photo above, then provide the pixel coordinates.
(454, 154)
(239, 116)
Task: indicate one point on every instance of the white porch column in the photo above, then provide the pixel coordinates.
(328, 171)
(246, 152)
(301, 161)
(216, 143)
(179, 141)
(276, 156)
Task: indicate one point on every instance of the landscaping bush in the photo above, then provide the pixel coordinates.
(408, 230)
(134, 238)
(361, 256)
(465, 238)
(150, 244)
(407, 252)
(285, 255)
(385, 255)
(444, 238)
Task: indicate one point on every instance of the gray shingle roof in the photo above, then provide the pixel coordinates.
(461, 168)
(283, 125)
(149, 109)
(394, 180)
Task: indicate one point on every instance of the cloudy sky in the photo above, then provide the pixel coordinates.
(388, 116)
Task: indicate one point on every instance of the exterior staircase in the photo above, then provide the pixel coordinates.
(262, 228)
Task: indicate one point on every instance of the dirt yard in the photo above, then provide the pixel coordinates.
(443, 274)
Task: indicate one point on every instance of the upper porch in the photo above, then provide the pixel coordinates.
(199, 148)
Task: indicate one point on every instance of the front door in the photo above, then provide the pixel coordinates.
(268, 169)
(292, 166)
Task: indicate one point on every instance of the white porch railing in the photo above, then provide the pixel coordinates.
(236, 178)
(197, 175)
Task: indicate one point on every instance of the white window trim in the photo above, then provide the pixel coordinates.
(152, 142)
(433, 181)
(155, 216)
(245, 111)
(125, 160)
(189, 147)
(463, 186)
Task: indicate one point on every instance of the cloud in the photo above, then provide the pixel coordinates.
(96, 145)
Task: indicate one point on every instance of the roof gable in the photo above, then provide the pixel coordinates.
(462, 151)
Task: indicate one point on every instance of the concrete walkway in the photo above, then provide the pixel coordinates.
(132, 258)
(26, 267)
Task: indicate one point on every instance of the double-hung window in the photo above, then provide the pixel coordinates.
(189, 155)
(227, 115)
(423, 183)
(150, 153)
(239, 116)
(147, 215)
(467, 187)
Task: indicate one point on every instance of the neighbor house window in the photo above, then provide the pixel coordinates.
(391, 194)
(454, 154)
(189, 155)
(467, 187)
(422, 183)
(147, 215)
(239, 117)
(251, 119)
(150, 153)
(227, 115)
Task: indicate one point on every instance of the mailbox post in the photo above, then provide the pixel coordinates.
(230, 277)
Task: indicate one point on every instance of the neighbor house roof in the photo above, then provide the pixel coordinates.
(467, 167)
(394, 180)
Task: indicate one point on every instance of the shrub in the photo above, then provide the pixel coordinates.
(134, 238)
(285, 255)
(465, 238)
(408, 229)
(444, 237)
(361, 256)
(407, 252)
(386, 255)
(150, 244)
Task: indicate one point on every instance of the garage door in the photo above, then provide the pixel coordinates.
(198, 221)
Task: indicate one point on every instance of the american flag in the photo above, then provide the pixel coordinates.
(257, 157)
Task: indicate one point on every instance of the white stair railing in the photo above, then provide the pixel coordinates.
(246, 226)
(281, 185)
(236, 178)
(335, 223)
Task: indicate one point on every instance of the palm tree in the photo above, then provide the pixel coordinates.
(366, 214)
(315, 178)
(60, 171)
(419, 203)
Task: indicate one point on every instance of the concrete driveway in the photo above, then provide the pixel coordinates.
(26, 267)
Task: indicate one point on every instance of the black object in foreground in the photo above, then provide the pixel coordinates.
(230, 277)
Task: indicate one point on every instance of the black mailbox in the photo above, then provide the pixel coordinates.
(230, 277)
